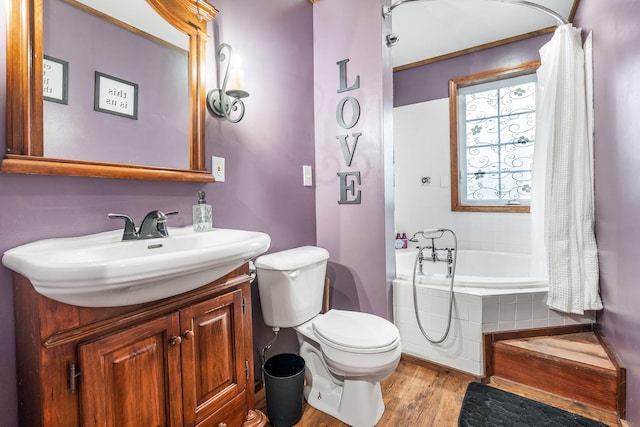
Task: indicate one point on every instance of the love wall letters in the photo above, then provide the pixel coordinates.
(349, 194)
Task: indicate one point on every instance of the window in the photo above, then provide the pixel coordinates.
(493, 128)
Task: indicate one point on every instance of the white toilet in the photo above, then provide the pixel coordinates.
(346, 353)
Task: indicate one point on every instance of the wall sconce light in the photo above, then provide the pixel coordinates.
(227, 101)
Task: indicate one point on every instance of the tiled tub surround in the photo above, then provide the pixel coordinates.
(476, 310)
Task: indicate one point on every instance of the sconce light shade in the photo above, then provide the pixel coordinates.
(227, 100)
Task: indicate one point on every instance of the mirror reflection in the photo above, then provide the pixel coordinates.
(158, 134)
(167, 145)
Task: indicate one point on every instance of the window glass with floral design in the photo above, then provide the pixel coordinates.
(493, 134)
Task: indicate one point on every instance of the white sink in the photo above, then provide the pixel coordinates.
(100, 270)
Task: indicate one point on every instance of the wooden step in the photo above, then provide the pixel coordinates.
(576, 365)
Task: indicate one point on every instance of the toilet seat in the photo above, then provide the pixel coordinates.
(356, 332)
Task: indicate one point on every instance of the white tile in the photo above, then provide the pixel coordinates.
(507, 299)
(507, 312)
(434, 304)
(471, 331)
(540, 296)
(554, 314)
(490, 299)
(524, 324)
(460, 310)
(540, 310)
(524, 298)
(490, 327)
(523, 311)
(540, 323)
(507, 326)
(475, 312)
(490, 313)
(576, 319)
(556, 321)
(472, 350)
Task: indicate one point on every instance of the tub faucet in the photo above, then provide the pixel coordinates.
(435, 258)
(420, 260)
(153, 225)
(449, 262)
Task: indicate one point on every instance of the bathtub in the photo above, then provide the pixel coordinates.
(492, 293)
(474, 269)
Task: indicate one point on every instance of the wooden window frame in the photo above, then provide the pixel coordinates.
(470, 80)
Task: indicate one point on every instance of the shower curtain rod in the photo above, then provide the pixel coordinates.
(386, 10)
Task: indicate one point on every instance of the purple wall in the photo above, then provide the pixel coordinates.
(431, 81)
(617, 189)
(264, 156)
(358, 236)
(265, 152)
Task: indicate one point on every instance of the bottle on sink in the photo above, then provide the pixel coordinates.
(202, 214)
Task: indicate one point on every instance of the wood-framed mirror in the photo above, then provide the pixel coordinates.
(25, 151)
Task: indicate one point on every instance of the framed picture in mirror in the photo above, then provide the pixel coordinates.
(115, 96)
(55, 80)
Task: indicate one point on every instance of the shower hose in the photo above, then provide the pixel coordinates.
(415, 293)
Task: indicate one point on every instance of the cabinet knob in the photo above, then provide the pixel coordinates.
(188, 334)
(175, 340)
(222, 425)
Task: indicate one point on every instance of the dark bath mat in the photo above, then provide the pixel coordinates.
(485, 406)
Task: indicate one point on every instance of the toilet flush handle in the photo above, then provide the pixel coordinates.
(294, 274)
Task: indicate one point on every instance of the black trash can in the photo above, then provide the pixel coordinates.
(284, 382)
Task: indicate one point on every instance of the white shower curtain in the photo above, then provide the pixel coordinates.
(562, 200)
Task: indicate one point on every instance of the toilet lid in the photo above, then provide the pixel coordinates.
(355, 330)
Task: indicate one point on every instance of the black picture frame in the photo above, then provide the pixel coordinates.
(115, 96)
(55, 80)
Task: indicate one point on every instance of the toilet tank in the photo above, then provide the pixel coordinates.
(291, 285)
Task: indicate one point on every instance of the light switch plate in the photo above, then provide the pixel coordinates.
(307, 176)
(217, 168)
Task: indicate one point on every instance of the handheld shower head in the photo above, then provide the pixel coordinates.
(428, 233)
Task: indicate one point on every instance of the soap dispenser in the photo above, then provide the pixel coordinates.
(202, 214)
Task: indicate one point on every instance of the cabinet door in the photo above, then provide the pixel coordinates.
(132, 378)
(213, 355)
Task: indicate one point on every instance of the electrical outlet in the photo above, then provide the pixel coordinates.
(217, 168)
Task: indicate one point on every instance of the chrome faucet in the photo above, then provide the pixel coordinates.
(130, 232)
(421, 259)
(153, 225)
(435, 257)
(433, 234)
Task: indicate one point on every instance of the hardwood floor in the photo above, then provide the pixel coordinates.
(416, 395)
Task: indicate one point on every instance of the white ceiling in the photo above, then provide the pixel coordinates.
(139, 14)
(431, 28)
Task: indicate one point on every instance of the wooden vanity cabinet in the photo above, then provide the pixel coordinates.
(181, 361)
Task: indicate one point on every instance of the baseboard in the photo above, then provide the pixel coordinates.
(465, 376)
